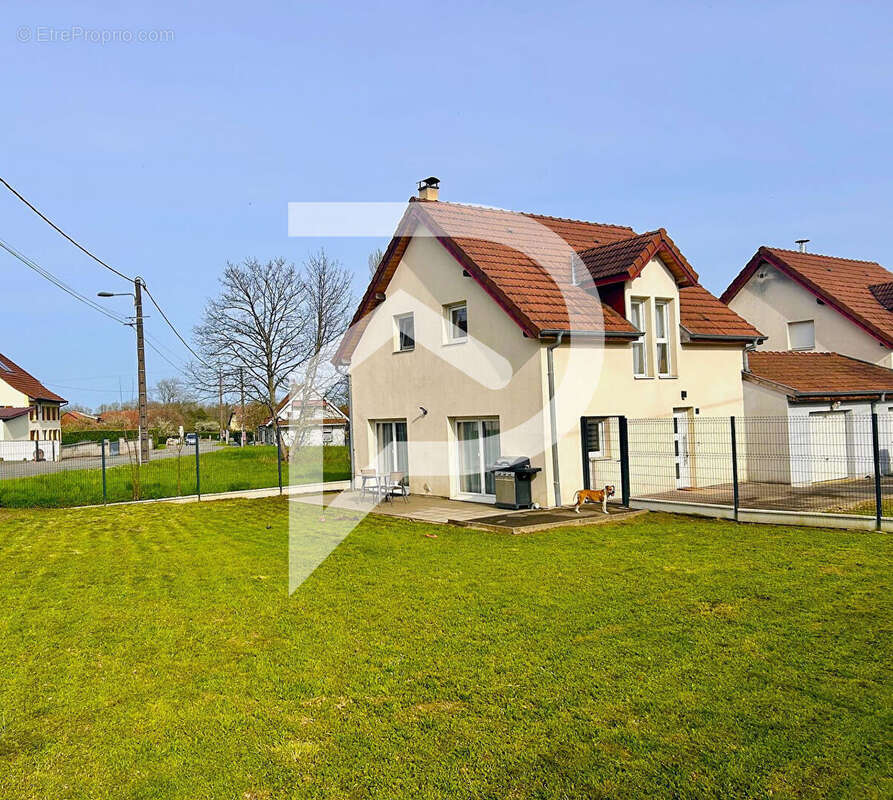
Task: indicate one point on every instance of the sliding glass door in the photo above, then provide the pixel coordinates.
(477, 443)
(393, 455)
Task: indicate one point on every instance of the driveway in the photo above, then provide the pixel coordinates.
(26, 469)
(830, 496)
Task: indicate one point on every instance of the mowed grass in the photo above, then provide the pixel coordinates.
(154, 652)
(225, 470)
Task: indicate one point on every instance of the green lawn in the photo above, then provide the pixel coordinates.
(154, 652)
(228, 469)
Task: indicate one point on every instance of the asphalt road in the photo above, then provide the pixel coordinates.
(26, 469)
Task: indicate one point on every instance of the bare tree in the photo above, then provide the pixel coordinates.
(257, 324)
(375, 258)
(327, 303)
(169, 390)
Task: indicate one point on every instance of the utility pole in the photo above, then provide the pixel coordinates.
(141, 371)
(140, 364)
(242, 413)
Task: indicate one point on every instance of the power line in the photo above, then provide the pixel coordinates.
(171, 326)
(104, 264)
(46, 274)
(55, 227)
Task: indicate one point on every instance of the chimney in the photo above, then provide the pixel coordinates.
(428, 188)
(801, 244)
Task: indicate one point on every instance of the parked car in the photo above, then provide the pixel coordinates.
(191, 438)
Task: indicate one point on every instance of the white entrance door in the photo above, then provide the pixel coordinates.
(477, 445)
(681, 449)
(827, 437)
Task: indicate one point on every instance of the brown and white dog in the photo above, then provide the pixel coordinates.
(593, 496)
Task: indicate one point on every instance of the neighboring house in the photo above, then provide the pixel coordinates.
(475, 313)
(812, 417)
(29, 413)
(80, 419)
(32, 412)
(325, 423)
(805, 301)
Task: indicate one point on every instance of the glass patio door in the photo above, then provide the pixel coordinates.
(478, 446)
(393, 453)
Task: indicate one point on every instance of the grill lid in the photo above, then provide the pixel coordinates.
(510, 464)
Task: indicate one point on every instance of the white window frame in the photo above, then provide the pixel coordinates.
(398, 342)
(790, 338)
(451, 328)
(640, 344)
(664, 307)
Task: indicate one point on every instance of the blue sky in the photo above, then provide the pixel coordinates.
(730, 124)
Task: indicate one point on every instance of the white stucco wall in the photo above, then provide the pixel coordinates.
(11, 397)
(772, 301)
(496, 373)
(597, 380)
(14, 430)
(783, 446)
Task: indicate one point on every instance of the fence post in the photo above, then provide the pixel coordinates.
(198, 472)
(734, 466)
(623, 436)
(279, 456)
(105, 496)
(876, 455)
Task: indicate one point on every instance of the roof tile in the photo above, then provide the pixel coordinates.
(25, 383)
(811, 373)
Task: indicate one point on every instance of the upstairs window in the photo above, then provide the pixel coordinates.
(801, 335)
(457, 322)
(637, 317)
(405, 324)
(662, 336)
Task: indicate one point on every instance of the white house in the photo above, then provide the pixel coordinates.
(487, 332)
(805, 301)
(810, 417)
(30, 415)
(823, 368)
(323, 422)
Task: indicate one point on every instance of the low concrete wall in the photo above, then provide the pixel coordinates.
(810, 519)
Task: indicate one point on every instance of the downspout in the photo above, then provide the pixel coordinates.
(350, 450)
(553, 415)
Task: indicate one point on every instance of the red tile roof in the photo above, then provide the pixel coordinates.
(25, 383)
(701, 314)
(842, 283)
(819, 374)
(8, 412)
(626, 259)
(524, 262)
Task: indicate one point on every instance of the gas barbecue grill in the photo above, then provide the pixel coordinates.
(512, 476)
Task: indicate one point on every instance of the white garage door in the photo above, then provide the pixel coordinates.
(827, 435)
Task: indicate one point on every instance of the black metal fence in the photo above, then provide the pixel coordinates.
(92, 473)
(811, 462)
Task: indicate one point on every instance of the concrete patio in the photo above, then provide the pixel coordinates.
(483, 516)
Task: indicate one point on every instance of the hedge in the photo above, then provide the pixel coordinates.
(73, 437)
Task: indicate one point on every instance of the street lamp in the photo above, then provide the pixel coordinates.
(137, 296)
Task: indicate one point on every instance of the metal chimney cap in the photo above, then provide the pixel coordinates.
(801, 243)
(433, 182)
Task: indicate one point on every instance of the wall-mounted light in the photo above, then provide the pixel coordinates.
(424, 411)
(684, 394)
